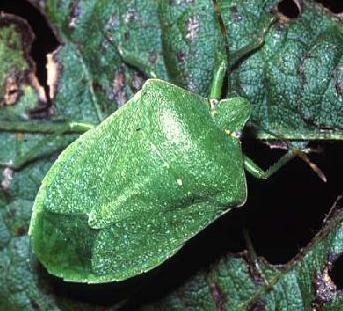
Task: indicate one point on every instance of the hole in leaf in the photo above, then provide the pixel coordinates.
(336, 272)
(286, 211)
(45, 40)
(289, 8)
(334, 6)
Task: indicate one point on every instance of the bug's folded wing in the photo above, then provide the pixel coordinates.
(137, 245)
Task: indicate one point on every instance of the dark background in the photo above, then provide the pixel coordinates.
(282, 214)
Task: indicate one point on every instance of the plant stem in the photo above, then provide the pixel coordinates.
(46, 127)
(299, 135)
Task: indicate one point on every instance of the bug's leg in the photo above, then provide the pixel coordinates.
(253, 256)
(219, 73)
(303, 135)
(260, 173)
(222, 64)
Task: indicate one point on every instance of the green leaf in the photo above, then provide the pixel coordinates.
(23, 284)
(19, 278)
(16, 93)
(238, 283)
(91, 79)
(105, 58)
(282, 79)
(20, 95)
(294, 81)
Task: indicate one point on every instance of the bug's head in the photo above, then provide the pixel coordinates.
(231, 114)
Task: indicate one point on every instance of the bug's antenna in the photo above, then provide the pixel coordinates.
(303, 156)
(253, 256)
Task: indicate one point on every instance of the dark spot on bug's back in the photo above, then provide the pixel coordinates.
(126, 36)
(181, 57)
(152, 57)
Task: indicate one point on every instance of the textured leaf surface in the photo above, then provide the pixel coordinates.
(290, 84)
(295, 80)
(103, 42)
(235, 283)
(23, 284)
(20, 95)
(19, 289)
(17, 94)
(103, 47)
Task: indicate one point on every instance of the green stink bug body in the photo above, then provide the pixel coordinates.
(128, 194)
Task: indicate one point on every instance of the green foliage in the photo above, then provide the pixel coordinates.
(294, 82)
(238, 283)
(19, 277)
(294, 85)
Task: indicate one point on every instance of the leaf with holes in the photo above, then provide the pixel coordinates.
(22, 285)
(104, 58)
(295, 81)
(275, 61)
(241, 282)
(21, 96)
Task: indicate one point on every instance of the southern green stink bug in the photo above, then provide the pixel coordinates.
(128, 194)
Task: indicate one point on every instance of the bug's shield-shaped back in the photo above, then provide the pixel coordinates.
(128, 194)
